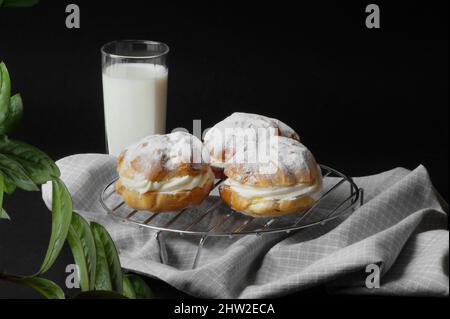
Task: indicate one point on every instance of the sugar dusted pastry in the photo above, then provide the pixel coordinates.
(223, 139)
(287, 182)
(164, 173)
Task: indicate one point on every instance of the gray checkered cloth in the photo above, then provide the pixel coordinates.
(402, 228)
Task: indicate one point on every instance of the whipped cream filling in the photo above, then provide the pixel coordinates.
(272, 192)
(142, 185)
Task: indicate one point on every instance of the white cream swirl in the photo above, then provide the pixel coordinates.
(142, 185)
(273, 192)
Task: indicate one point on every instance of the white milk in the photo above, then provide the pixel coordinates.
(134, 97)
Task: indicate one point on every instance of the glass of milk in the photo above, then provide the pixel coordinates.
(134, 74)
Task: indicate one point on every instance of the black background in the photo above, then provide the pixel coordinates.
(363, 100)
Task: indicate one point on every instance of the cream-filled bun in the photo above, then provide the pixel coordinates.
(164, 173)
(285, 180)
(236, 132)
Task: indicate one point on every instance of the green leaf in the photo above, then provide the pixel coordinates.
(140, 288)
(61, 217)
(19, 3)
(82, 244)
(2, 186)
(100, 294)
(9, 187)
(5, 92)
(15, 112)
(102, 275)
(128, 290)
(38, 165)
(15, 174)
(108, 275)
(45, 287)
(4, 214)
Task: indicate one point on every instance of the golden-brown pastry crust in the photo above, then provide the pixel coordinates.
(221, 146)
(240, 172)
(159, 173)
(155, 201)
(292, 163)
(161, 157)
(262, 207)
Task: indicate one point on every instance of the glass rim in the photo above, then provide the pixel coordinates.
(150, 56)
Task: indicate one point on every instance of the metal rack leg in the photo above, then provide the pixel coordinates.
(361, 197)
(199, 250)
(162, 248)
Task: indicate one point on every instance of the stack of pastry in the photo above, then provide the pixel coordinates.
(158, 174)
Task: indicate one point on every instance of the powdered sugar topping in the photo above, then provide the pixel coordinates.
(280, 154)
(164, 152)
(243, 128)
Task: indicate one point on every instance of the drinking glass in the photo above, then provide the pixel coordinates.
(134, 76)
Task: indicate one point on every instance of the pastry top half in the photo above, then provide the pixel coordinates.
(164, 163)
(280, 162)
(221, 140)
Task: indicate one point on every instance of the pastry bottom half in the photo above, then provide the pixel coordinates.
(155, 201)
(263, 207)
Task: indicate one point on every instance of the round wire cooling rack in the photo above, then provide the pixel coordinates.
(339, 197)
(214, 218)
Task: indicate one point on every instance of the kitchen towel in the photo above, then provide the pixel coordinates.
(401, 229)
